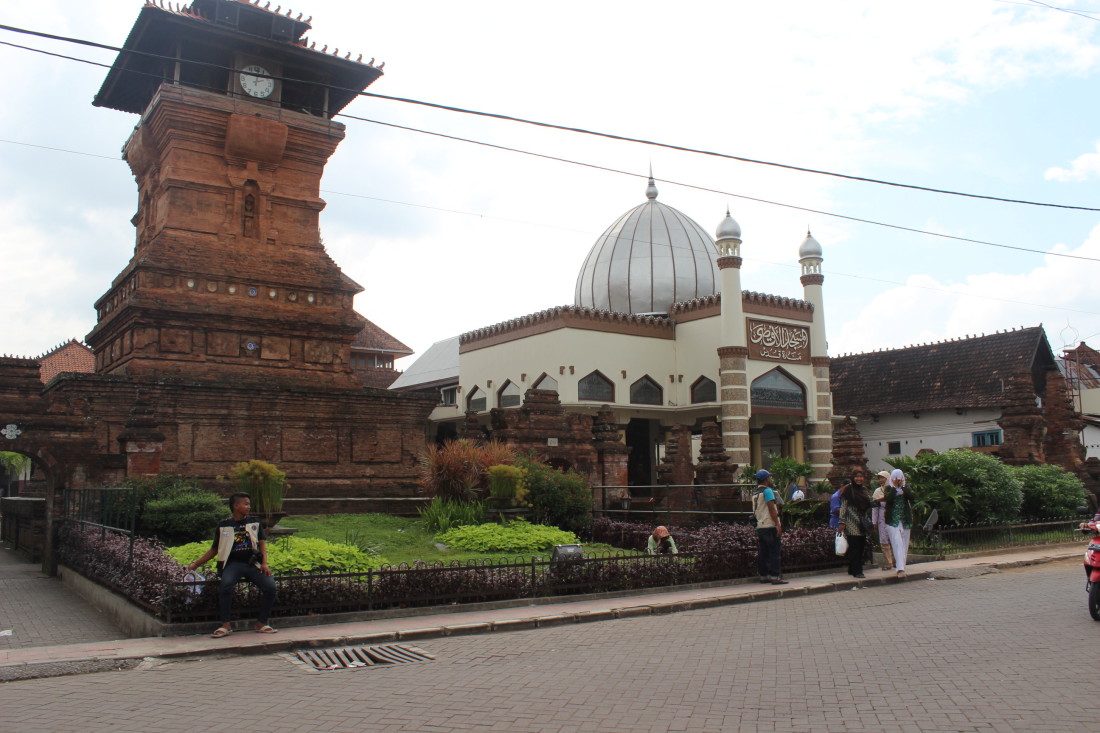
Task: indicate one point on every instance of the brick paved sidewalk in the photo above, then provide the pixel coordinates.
(62, 658)
(41, 611)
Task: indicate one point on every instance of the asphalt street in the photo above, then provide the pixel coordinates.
(1003, 651)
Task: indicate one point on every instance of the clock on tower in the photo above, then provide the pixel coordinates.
(229, 277)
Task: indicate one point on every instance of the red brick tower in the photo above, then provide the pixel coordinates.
(229, 277)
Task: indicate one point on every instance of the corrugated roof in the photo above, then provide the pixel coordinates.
(968, 372)
(436, 366)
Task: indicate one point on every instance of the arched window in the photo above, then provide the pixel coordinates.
(596, 387)
(547, 382)
(704, 390)
(509, 395)
(475, 402)
(646, 392)
(778, 393)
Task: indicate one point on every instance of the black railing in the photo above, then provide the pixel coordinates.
(674, 503)
(112, 509)
(949, 540)
(474, 582)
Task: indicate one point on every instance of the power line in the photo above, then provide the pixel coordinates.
(564, 128)
(594, 166)
(830, 273)
(821, 212)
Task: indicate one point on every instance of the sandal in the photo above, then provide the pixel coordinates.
(265, 629)
(221, 632)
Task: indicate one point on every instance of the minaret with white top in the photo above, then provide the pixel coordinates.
(733, 353)
(819, 426)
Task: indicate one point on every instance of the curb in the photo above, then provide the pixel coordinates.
(60, 667)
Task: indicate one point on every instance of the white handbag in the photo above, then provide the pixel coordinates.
(841, 544)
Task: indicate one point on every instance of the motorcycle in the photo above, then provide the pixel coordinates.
(1092, 567)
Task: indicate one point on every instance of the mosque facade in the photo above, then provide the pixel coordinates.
(661, 340)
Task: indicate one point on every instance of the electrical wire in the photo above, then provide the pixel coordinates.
(564, 128)
(821, 212)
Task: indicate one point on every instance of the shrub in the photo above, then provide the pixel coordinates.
(560, 498)
(1049, 491)
(296, 555)
(786, 470)
(104, 557)
(506, 483)
(263, 482)
(631, 535)
(184, 517)
(984, 490)
(805, 512)
(458, 469)
(443, 514)
(513, 537)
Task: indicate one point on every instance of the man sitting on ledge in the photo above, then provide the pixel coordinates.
(241, 548)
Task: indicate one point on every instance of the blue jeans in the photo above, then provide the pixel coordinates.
(767, 560)
(233, 573)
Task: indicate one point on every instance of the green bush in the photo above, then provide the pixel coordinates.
(966, 486)
(513, 537)
(443, 514)
(559, 498)
(183, 517)
(296, 555)
(1049, 491)
(805, 512)
(506, 483)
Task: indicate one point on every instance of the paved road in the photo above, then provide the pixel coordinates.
(1008, 651)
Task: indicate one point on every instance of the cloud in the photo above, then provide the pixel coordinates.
(1082, 168)
(928, 308)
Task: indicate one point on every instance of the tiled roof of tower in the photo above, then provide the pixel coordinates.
(72, 356)
(373, 338)
(965, 372)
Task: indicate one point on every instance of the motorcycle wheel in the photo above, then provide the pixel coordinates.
(1094, 601)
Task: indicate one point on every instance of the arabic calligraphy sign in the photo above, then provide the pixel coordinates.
(778, 341)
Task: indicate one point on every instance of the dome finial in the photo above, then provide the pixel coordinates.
(651, 189)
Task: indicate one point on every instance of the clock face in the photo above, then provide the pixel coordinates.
(256, 86)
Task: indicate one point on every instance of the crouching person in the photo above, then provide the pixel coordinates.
(241, 548)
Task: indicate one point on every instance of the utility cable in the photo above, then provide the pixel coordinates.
(564, 128)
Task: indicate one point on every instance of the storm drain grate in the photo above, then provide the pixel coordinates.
(353, 657)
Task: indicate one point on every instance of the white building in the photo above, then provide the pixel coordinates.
(661, 332)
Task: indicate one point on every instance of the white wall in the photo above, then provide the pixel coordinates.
(938, 430)
(692, 354)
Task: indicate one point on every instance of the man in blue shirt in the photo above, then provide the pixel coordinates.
(769, 529)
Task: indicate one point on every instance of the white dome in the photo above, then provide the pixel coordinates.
(810, 247)
(651, 257)
(729, 228)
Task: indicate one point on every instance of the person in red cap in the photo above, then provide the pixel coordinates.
(661, 543)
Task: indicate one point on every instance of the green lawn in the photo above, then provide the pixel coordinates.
(398, 539)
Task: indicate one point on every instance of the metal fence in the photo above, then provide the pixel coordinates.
(475, 581)
(674, 503)
(106, 509)
(943, 542)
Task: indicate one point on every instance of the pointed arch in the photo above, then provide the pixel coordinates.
(646, 391)
(509, 395)
(778, 393)
(477, 400)
(596, 387)
(704, 389)
(546, 382)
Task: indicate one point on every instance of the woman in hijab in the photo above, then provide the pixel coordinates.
(898, 515)
(854, 505)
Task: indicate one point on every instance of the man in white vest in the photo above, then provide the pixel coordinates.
(241, 548)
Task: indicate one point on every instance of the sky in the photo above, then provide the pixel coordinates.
(991, 97)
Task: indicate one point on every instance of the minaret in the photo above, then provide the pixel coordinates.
(733, 353)
(819, 430)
